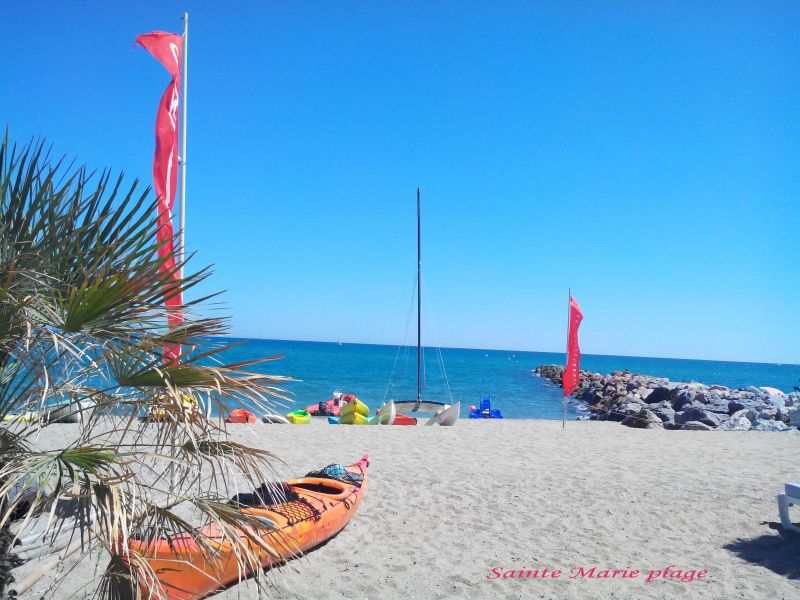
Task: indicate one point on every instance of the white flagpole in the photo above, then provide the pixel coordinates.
(569, 302)
(182, 173)
(182, 161)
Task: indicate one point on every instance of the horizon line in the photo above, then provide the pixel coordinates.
(335, 342)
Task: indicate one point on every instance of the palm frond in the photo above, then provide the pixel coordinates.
(83, 326)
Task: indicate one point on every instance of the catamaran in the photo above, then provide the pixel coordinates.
(445, 414)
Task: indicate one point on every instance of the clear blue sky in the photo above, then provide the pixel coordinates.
(647, 156)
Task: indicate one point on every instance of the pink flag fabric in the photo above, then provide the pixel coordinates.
(167, 48)
(572, 372)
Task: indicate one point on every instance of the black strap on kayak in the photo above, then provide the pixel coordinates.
(266, 495)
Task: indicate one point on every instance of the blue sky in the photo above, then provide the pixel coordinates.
(647, 156)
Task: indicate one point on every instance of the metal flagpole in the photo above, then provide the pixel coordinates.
(564, 417)
(182, 174)
(419, 305)
(182, 158)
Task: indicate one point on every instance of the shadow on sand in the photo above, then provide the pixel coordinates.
(778, 552)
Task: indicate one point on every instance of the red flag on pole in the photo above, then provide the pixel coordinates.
(166, 48)
(572, 372)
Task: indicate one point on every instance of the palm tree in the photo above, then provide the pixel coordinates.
(83, 325)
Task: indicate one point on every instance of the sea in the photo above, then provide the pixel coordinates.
(377, 373)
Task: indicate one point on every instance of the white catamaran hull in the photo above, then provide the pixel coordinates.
(447, 417)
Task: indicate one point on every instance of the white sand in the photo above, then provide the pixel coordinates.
(447, 505)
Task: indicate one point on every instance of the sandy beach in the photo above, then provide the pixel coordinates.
(449, 510)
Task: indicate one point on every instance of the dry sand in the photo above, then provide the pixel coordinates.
(445, 506)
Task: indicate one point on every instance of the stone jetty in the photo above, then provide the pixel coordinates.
(648, 402)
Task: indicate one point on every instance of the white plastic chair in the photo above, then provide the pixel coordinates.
(792, 496)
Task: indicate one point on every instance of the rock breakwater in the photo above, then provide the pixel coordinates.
(648, 402)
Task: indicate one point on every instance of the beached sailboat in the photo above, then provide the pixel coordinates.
(446, 414)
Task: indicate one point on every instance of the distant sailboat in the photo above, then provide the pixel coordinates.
(420, 405)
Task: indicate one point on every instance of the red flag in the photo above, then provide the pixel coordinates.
(166, 48)
(572, 372)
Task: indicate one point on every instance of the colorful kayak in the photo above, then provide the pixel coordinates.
(401, 419)
(353, 418)
(317, 507)
(299, 417)
(333, 420)
(354, 406)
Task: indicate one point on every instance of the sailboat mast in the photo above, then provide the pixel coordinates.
(182, 157)
(419, 304)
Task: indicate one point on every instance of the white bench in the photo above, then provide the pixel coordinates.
(792, 496)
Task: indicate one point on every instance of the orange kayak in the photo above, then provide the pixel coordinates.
(317, 509)
(404, 420)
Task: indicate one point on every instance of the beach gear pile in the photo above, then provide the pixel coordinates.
(356, 412)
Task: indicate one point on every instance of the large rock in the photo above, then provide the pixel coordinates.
(740, 423)
(735, 406)
(776, 401)
(698, 414)
(644, 419)
(765, 425)
(783, 414)
(681, 398)
(665, 413)
(720, 407)
(621, 412)
(768, 412)
(681, 402)
(659, 394)
(696, 426)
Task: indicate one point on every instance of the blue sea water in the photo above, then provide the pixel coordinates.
(366, 370)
